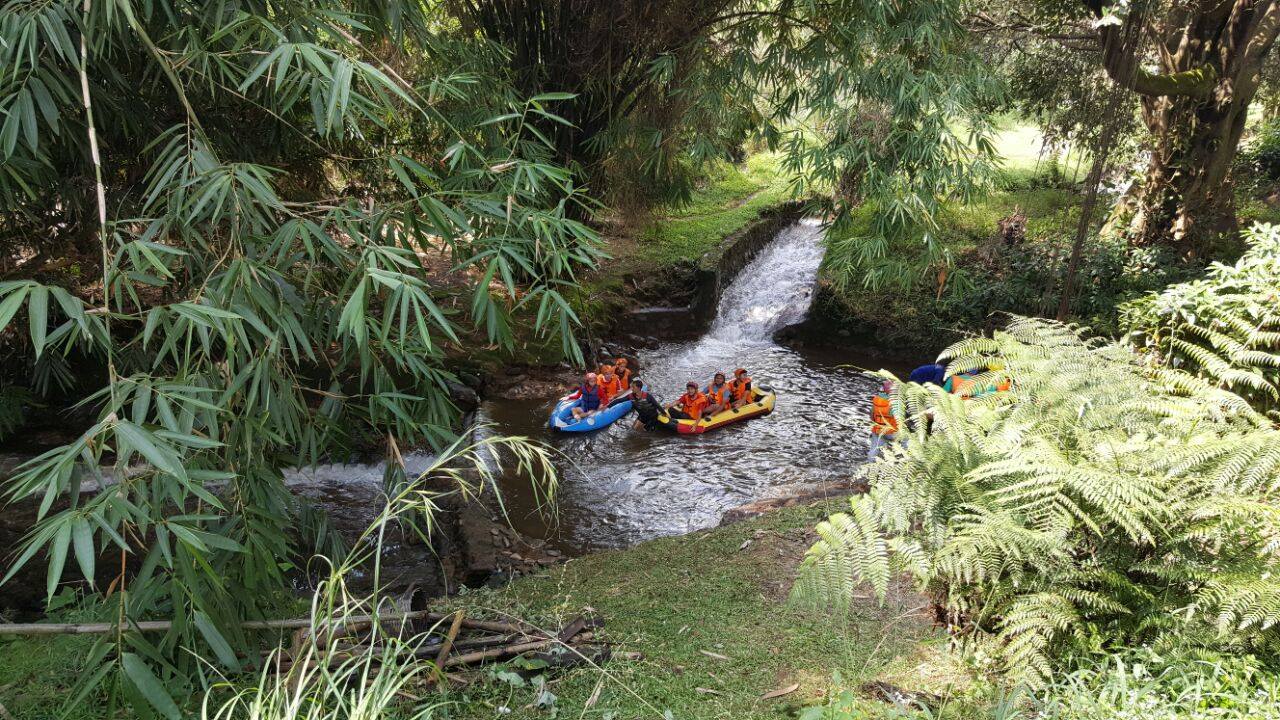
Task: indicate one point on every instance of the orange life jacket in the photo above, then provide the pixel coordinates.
(740, 388)
(623, 374)
(1004, 384)
(961, 385)
(719, 397)
(693, 405)
(609, 389)
(882, 420)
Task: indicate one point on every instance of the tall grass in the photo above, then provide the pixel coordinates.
(385, 670)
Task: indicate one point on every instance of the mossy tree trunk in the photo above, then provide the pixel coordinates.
(1208, 57)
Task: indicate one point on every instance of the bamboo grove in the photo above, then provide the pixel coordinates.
(251, 194)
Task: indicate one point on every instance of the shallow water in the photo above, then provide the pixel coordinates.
(620, 486)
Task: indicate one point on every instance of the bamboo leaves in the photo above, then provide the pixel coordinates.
(289, 228)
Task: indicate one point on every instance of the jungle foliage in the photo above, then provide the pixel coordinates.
(664, 87)
(1094, 505)
(225, 227)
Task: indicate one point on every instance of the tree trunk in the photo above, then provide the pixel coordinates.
(1208, 56)
(1186, 197)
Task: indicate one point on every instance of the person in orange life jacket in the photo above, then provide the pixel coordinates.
(884, 426)
(740, 388)
(647, 408)
(961, 384)
(622, 371)
(610, 385)
(690, 405)
(965, 384)
(719, 397)
(591, 396)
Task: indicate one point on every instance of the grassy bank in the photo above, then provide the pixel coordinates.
(730, 198)
(709, 611)
(652, 255)
(987, 278)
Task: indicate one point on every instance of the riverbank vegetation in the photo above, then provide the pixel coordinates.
(241, 237)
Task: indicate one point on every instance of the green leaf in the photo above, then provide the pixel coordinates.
(86, 553)
(137, 672)
(9, 306)
(38, 315)
(216, 641)
(141, 440)
(57, 557)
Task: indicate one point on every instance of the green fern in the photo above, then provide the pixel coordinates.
(1223, 329)
(1095, 498)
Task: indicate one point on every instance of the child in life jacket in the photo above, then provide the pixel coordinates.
(719, 397)
(740, 388)
(690, 405)
(610, 384)
(591, 395)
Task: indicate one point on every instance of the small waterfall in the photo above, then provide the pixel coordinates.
(774, 290)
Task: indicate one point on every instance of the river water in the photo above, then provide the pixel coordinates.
(620, 486)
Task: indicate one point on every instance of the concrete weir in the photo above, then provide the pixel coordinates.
(714, 272)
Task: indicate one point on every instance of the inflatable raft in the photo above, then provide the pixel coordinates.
(562, 416)
(762, 404)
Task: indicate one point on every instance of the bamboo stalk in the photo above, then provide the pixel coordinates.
(498, 652)
(448, 640)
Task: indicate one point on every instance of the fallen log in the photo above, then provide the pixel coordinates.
(472, 658)
(282, 624)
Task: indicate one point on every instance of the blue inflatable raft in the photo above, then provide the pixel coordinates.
(562, 417)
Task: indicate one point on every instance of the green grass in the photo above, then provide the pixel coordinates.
(1025, 161)
(731, 197)
(39, 674)
(675, 599)
(967, 225)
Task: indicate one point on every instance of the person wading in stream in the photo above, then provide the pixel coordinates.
(690, 405)
(884, 426)
(648, 409)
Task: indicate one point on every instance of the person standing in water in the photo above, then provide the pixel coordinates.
(884, 426)
(648, 409)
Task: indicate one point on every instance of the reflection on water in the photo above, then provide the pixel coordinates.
(620, 486)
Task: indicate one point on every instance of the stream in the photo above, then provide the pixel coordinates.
(621, 486)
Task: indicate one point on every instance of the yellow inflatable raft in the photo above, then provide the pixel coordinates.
(761, 404)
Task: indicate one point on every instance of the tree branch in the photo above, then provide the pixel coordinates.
(1120, 60)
